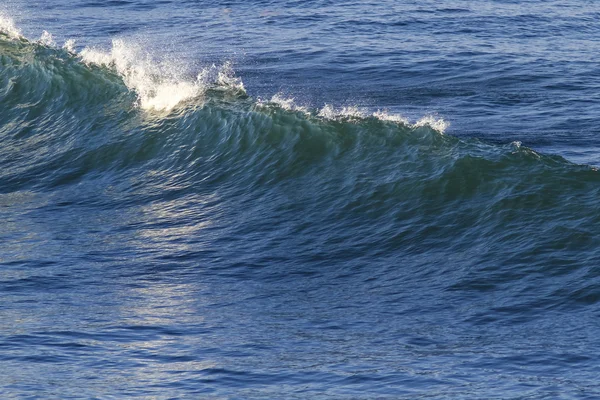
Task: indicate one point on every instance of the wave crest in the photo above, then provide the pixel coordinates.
(7, 27)
(354, 113)
(160, 85)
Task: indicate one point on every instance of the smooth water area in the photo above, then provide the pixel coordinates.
(318, 199)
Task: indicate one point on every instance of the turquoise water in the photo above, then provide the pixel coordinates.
(299, 200)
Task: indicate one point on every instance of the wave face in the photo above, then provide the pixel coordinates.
(165, 226)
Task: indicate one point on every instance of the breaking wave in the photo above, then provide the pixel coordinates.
(66, 114)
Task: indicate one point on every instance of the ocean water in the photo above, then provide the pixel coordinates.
(299, 199)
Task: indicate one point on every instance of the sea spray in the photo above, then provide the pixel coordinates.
(7, 26)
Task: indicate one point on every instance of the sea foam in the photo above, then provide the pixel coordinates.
(160, 85)
(7, 26)
(353, 113)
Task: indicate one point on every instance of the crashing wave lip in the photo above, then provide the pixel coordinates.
(385, 116)
(143, 76)
(7, 26)
(160, 85)
(165, 84)
(285, 103)
(353, 113)
(439, 125)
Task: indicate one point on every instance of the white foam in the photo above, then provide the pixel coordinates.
(353, 112)
(7, 26)
(331, 113)
(286, 103)
(70, 46)
(220, 77)
(226, 78)
(385, 116)
(47, 40)
(437, 124)
(160, 85)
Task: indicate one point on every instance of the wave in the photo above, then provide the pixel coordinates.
(116, 128)
(67, 114)
(355, 113)
(160, 85)
(7, 27)
(164, 84)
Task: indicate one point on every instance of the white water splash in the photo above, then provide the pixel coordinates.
(70, 46)
(160, 85)
(221, 77)
(47, 40)
(355, 113)
(157, 86)
(226, 78)
(328, 112)
(281, 101)
(7, 26)
(385, 116)
(286, 104)
(437, 124)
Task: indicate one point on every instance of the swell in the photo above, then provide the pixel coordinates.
(109, 111)
(66, 115)
(354, 186)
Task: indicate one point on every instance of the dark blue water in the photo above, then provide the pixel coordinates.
(318, 199)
